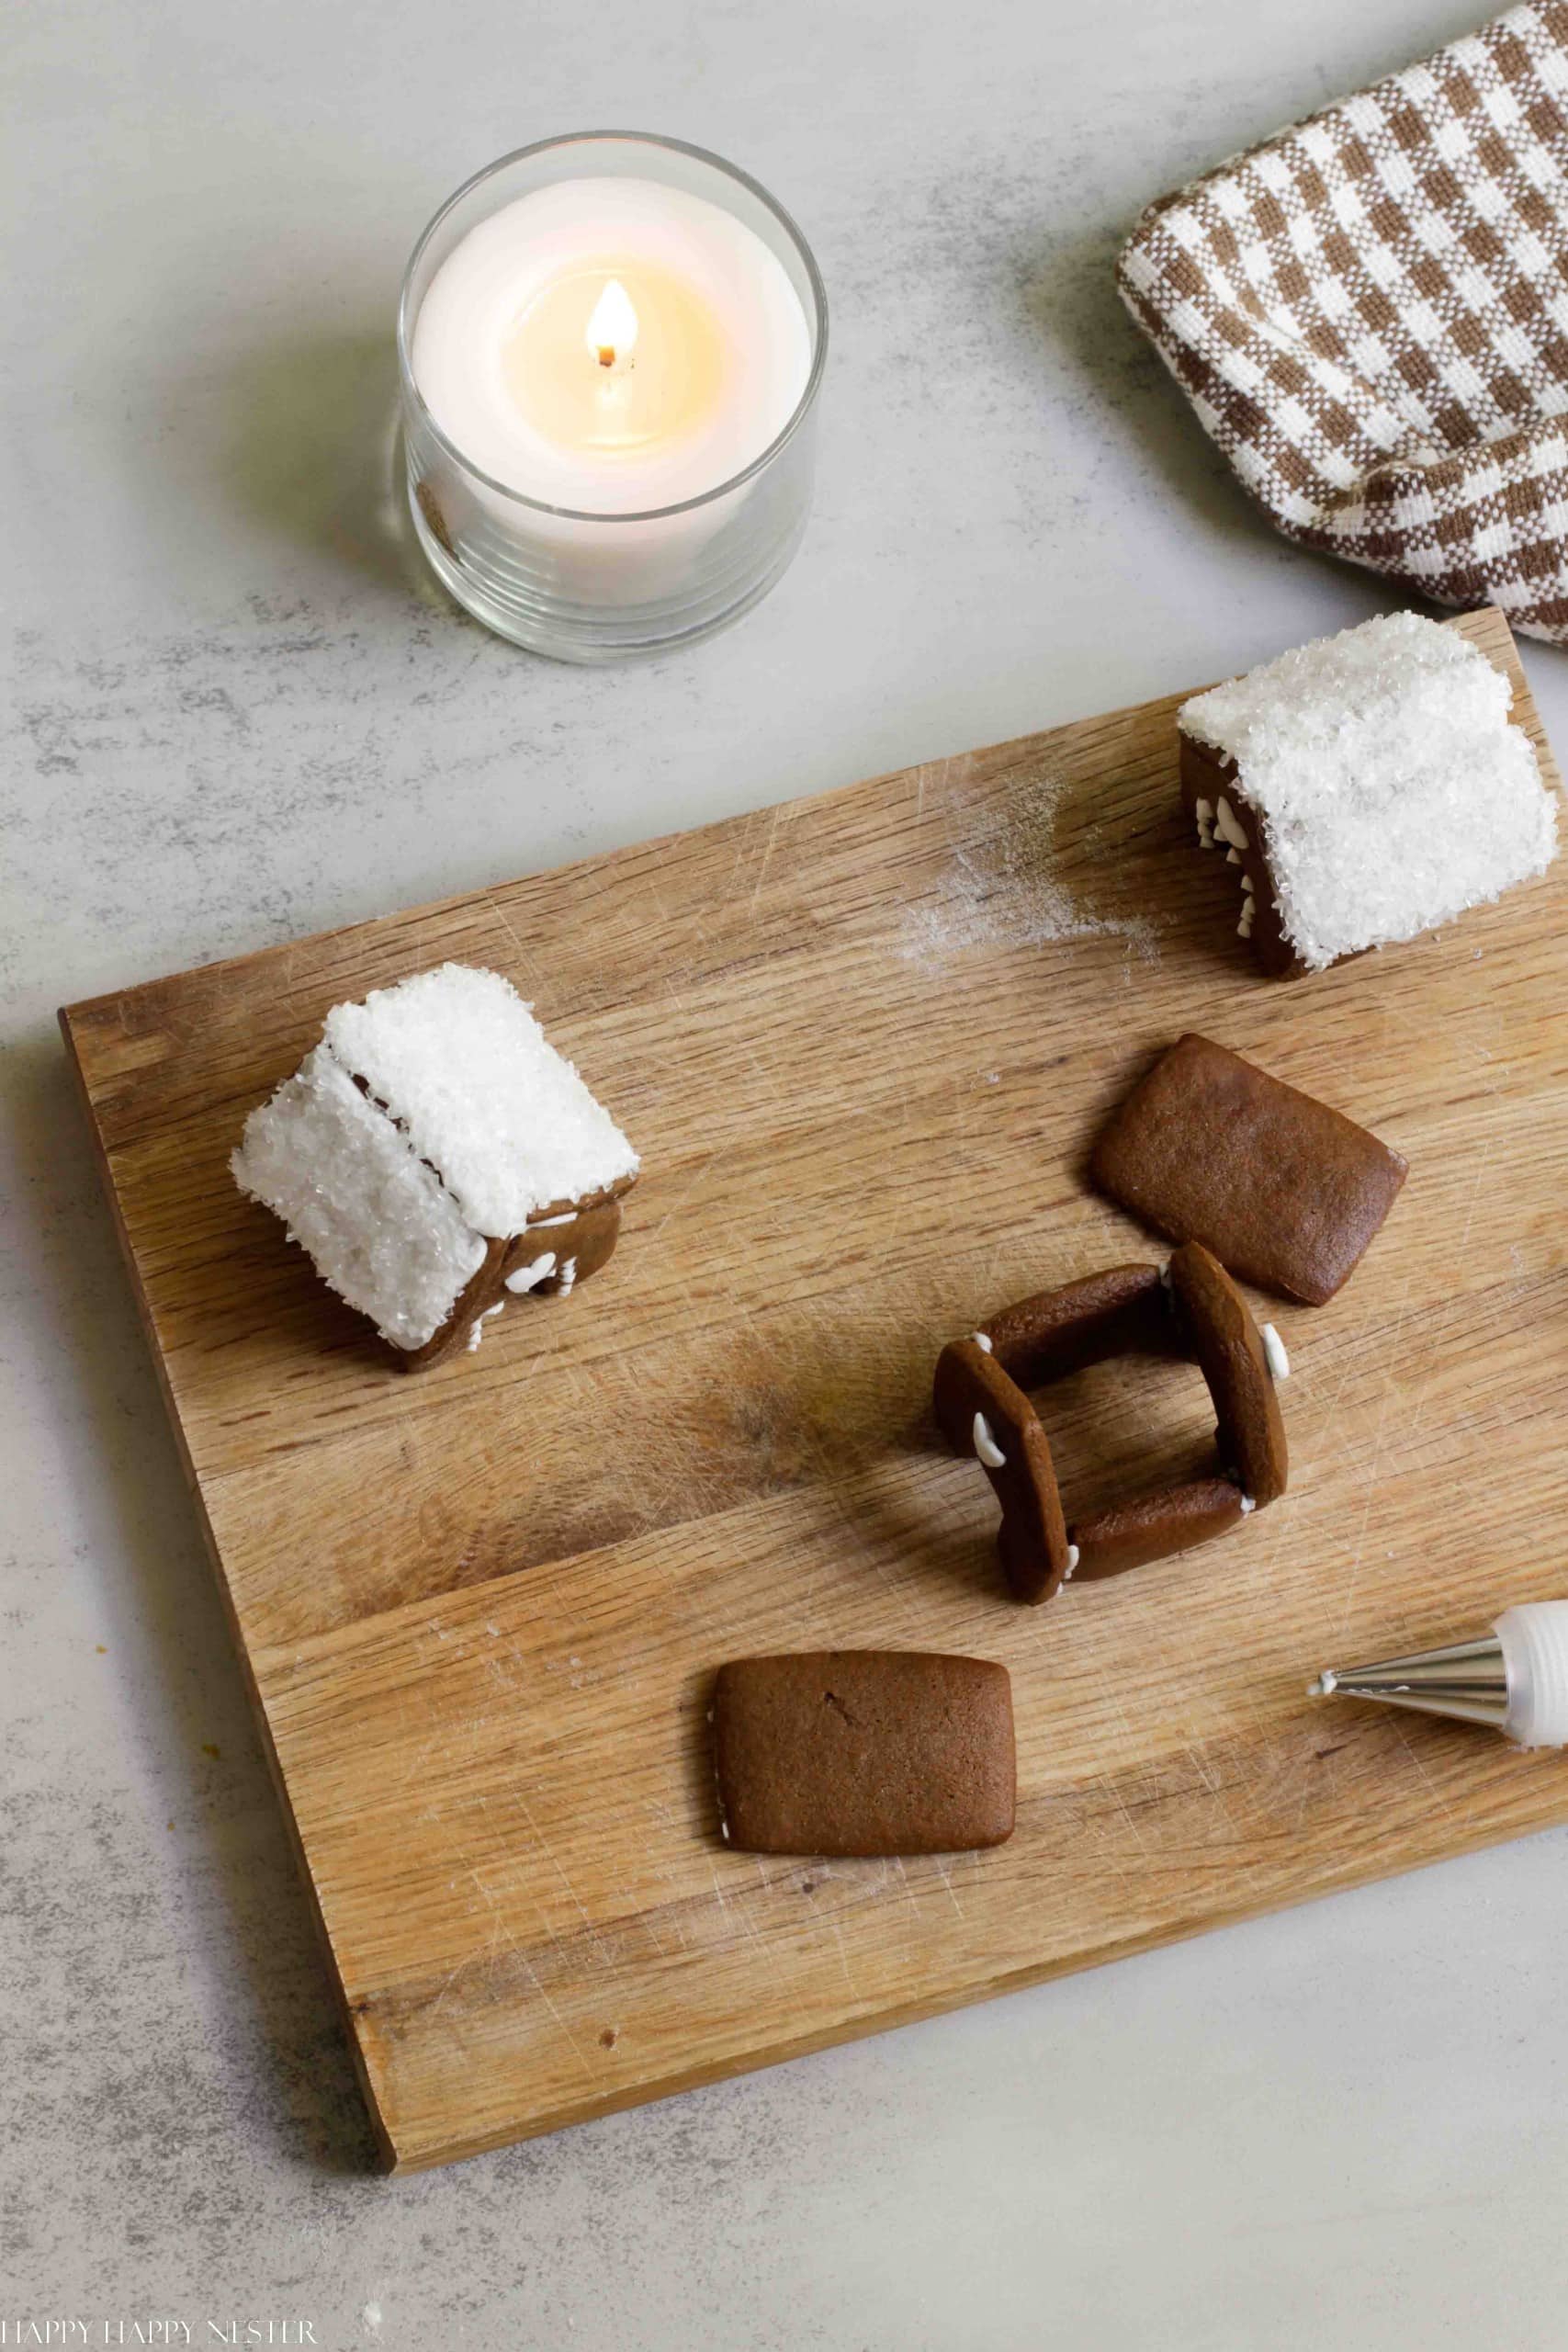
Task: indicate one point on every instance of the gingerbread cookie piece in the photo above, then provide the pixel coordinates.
(864, 1752)
(1191, 1310)
(435, 1156)
(1229, 1350)
(554, 1252)
(980, 1409)
(1367, 787)
(1121, 1312)
(1155, 1527)
(1285, 1192)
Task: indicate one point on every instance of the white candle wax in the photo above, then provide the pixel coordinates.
(610, 346)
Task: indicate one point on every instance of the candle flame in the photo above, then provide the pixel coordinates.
(611, 331)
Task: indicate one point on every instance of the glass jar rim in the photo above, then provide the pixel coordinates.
(416, 398)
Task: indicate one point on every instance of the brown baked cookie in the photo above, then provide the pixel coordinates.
(981, 1411)
(556, 1250)
(1193, 1311)
(1121, 1312)
(1226, 821)
(1153, 1527)
(1228, 1348)
(1285, 1192)
(863, 1752)
(578, 1241)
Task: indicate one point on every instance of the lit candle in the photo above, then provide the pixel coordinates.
(611, 347)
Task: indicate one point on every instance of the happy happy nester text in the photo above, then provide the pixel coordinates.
(163, 2332)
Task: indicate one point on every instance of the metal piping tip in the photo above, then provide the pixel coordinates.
(1468, 1681)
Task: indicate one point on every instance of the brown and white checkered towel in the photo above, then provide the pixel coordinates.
(1369, 315)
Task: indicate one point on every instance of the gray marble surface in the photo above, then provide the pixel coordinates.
(236, 711)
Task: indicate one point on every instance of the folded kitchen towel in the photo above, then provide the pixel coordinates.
(1369, 315)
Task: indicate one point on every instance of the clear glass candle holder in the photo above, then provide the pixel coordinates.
(586, 587)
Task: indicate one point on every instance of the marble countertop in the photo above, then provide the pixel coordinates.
(238, 711)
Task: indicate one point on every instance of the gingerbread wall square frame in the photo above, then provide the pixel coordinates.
(1190, 1310)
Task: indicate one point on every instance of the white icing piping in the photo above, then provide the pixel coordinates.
(1275, 1350)
(986, 1446)
(1248, 1506)
(981, 1341)
(1226, 823)
(529, 1277)
(1204, 812)
(477, 1329)
(567, 1276)
(1072, 1558)
(718, 1795)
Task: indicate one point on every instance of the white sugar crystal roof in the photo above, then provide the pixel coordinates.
(1394, 791)
(469, 1076)
(374, 1219)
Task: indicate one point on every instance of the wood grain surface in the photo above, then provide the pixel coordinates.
(862, 1043)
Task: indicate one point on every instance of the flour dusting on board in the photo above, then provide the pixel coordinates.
(1004, 887)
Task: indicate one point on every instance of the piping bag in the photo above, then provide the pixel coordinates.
(1514, 1677)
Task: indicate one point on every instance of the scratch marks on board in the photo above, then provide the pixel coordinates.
(765, 860)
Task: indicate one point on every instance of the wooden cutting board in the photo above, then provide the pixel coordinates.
(863, 1042)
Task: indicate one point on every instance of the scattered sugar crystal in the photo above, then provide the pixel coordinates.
(374, 1219)
(466, 1070)
(1392, 789)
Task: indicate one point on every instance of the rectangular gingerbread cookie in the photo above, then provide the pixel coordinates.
(864, 1752)
(1286, 1192)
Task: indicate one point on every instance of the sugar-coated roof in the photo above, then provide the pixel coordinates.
(375, 1221)
(1392, 788)
(469, 1076)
